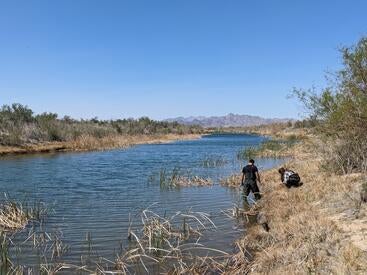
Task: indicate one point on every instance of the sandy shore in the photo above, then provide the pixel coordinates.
(88, 143)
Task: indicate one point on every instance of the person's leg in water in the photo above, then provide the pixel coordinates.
(255, 189)
(245, 193)
(248, 187)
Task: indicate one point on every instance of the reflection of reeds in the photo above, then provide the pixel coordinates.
(5, 262)
(213, 161)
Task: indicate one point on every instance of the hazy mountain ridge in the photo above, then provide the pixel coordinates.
(230, 120)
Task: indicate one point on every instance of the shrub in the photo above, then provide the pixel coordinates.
(339, 112)
(18, 126)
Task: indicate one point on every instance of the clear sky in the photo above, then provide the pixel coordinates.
(170, 58)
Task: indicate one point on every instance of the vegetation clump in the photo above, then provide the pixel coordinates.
(14, 216)
(178, 178)
(339, 112)
(20, 126)
(271, 148)
(169, 242)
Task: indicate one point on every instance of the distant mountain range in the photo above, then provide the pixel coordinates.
(230, 120)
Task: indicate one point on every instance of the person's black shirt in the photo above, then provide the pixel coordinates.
(250, 172)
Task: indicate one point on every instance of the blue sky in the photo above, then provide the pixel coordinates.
(170, 58)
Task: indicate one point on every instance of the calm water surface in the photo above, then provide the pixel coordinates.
(94, 192)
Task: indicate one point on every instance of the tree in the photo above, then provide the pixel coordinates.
(340, 111)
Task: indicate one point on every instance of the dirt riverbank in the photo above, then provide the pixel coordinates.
(88, 143)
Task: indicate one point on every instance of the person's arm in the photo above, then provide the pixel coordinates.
(243, 177)
(286, 177)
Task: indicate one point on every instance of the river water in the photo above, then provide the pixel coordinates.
(96, 192)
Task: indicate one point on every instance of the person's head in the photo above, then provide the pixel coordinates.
(251, 161)
(281, 170)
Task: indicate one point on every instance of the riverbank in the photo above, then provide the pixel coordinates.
(90, 143)
(320, 227)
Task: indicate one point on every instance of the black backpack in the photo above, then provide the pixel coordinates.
(294, 178)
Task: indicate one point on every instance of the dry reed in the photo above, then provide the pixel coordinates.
(305, 237)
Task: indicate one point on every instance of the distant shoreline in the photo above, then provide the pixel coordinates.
(88, 143)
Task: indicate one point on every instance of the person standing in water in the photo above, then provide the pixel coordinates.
(250, 177)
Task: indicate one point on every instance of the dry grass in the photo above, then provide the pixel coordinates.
(280, 131)
(319, 228)
(14, 216)
(304, 235)
(88, 143)
(177, 178)
(285, 141)
(170, 243)
(183, 181)
(167, 243)
(234, 181)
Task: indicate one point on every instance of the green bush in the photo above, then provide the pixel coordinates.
(339, 112)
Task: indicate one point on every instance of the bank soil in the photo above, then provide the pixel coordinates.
(89, 143)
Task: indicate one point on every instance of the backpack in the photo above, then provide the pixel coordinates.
(294, 178)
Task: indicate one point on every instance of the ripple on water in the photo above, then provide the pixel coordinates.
(95, 192)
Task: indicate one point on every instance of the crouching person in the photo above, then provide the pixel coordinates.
(289, 178)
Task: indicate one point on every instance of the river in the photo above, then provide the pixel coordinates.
(95, 193)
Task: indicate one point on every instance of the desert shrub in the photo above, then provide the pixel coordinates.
(339, 112)
(18, 126)
(305, 123)
(49, 127)
(12, 123)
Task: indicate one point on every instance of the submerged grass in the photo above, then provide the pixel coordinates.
(213, 161)
(19, 220)
(177, 178)
(14, 216)
(168, 242)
